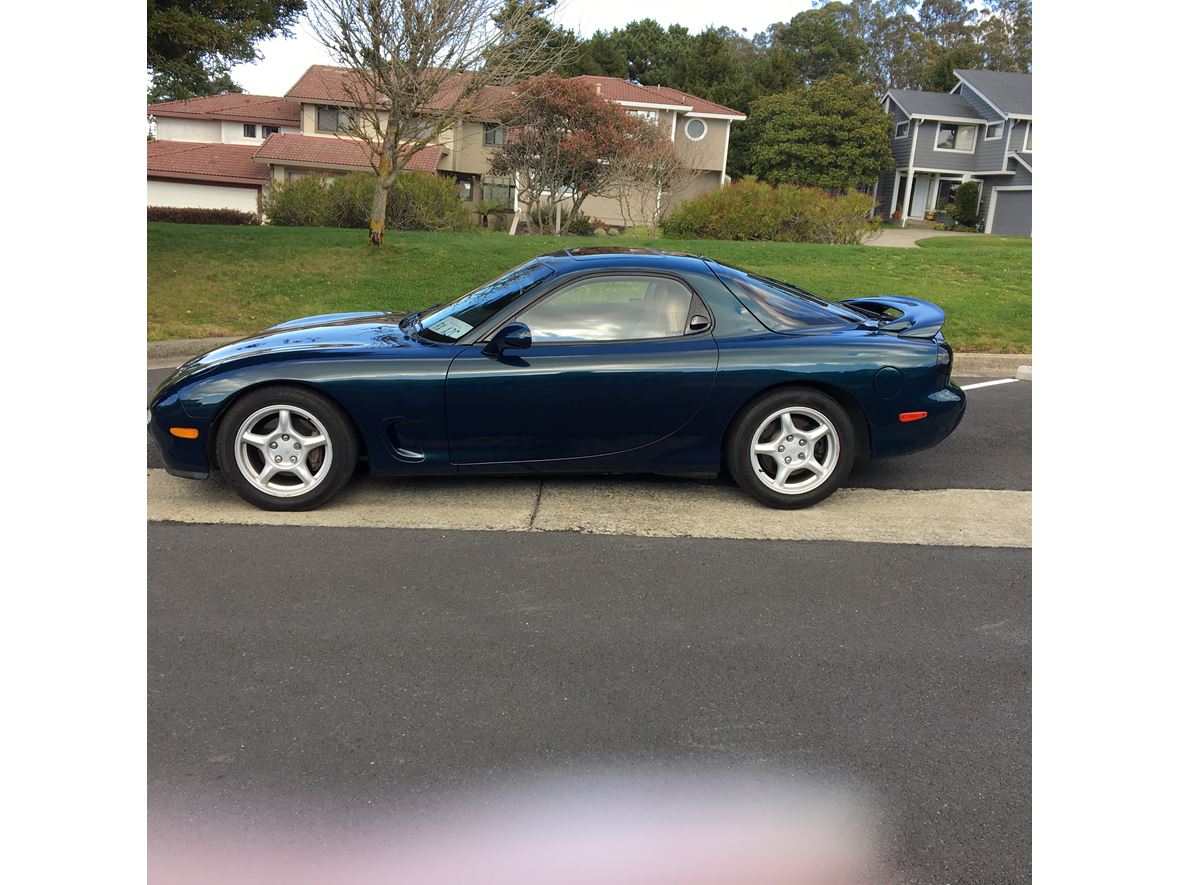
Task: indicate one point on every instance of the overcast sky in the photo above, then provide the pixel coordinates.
(286, 59)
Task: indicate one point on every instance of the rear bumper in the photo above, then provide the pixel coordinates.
(945, 409)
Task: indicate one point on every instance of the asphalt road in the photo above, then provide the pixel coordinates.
(991, 448)
(348, 669)
(337, 672)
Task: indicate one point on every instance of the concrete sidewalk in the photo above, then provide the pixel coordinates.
(907, 237)
(642, 507)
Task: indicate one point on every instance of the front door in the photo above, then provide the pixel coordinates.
(613, 367)
(920, 197)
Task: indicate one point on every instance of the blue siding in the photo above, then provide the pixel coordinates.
(926, 157)
(899, 148)
(990, 154)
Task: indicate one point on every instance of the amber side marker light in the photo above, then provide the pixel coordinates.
(183, 432)
(906, 417)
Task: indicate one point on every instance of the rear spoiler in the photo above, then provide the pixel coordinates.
(919, 319)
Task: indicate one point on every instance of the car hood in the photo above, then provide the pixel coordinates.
(310, 336)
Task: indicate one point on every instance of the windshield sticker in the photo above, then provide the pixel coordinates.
(452, 327)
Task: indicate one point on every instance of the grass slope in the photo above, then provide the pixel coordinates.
(208, 280)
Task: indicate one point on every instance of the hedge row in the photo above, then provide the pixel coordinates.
(753, 210)
(200, 216)
(416, 202)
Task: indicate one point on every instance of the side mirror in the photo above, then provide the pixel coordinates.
(514, 335)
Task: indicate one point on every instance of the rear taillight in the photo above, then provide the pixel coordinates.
(945, 360)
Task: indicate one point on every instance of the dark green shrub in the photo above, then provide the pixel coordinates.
(753, 210)
(350, 199)
(200, 216)
(425, 202)
(304, 202)
(580, 226)
(965, 208)
(416, 202)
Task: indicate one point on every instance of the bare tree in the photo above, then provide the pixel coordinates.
(649, 180)
(417, 68)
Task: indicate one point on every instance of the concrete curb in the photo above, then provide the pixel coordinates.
(1000, 365)
(181, 349)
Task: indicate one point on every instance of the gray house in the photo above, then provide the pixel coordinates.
(980, 131)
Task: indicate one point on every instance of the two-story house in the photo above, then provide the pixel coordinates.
(222, 151)
(980, 131)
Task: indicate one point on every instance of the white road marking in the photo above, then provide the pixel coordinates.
(940, 517)
(988, 383)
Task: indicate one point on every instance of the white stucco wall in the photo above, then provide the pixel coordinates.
(174, 129)
(231, 133)
(210, 131)
(191, 195)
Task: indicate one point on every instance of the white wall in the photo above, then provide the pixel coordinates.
(231, 133)
(191, 195)
(174, 129)
(210, 131)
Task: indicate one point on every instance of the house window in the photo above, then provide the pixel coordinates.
(955, 137)
(249, 130)
(501, 191)
(993, 131)
(268, 131)
(465, 188)
(1028, 137)
(332, 119)
(652, 117)
(902, 129)
(493, 133)
(946, 193)
(695, 129)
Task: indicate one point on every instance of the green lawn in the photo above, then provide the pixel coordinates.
(212, 280)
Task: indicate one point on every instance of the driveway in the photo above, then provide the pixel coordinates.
(907, 237)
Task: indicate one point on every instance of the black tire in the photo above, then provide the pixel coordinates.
(746, 424)
(335, 425)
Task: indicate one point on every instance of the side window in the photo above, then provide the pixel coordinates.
(611, 308)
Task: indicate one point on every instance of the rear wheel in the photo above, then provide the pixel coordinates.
(286, 448)
(791, 448)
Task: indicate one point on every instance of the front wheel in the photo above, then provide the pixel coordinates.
(286, 448)
(791, 448)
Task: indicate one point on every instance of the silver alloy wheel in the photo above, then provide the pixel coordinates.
(283, 451)
(796, 442)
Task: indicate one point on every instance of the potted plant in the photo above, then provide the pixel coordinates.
(896, 215)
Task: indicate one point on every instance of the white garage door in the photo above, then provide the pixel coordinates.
(190, 195)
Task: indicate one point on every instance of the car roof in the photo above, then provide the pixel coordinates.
(622, 256)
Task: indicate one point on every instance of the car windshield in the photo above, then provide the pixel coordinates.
(452, 321)
(783, 306)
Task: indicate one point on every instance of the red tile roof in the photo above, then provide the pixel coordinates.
(214, 163)
(616, 89)
(699, 105)
(231, 106)
(324, 83)
(345, 152)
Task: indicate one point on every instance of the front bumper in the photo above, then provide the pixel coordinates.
(188, 458)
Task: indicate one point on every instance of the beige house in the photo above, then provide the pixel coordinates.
(235, 145)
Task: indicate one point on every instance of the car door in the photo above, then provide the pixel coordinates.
(618, 361)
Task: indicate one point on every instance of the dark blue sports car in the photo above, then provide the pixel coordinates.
(606, 360)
